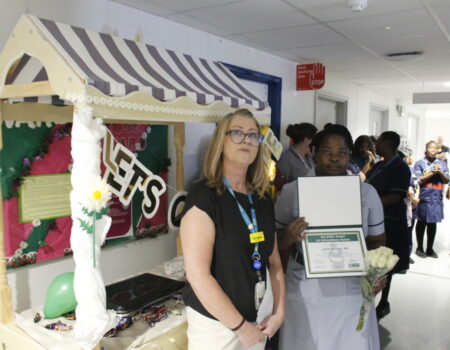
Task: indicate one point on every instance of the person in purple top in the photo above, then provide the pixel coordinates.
(432, 174)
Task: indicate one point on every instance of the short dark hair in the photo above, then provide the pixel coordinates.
(392, 138)
(298, 132)
(333, 130)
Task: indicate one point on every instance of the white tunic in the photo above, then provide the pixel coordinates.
(322, 314)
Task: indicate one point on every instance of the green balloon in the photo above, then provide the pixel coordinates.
(60, 297)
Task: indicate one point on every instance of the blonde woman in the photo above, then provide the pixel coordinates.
(228, 239)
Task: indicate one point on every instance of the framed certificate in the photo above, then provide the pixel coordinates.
(334, 252)
(334, 244)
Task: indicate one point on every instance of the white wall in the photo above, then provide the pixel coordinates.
(29, 283)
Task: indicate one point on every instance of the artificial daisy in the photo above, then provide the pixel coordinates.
(23, 245)
(96, 195)
(18, 252)
(36, 222)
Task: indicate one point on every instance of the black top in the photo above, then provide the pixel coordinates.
(231, 263)
(390, 178)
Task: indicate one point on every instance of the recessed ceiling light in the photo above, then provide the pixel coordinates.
(387, 27)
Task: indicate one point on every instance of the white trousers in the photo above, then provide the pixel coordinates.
(204, 333)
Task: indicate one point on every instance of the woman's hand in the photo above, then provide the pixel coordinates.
(379, 285)
(296, 228)
(271, 324)
(371, 158)
(250, 334)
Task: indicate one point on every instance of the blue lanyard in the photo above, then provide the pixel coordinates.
(252, 225)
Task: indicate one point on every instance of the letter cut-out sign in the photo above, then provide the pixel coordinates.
(125, 174)
(310, 76)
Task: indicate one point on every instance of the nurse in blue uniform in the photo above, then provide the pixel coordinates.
(391, 178)
(433, 175)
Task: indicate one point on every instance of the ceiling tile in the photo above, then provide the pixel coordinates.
(443, 13)
(302, 36)
(191, 21)
(405, 24)
(332, 10)
(187, 5)
(331, 52)
(426, 44)
(253, 15)
(364, 72)
(430, 59)
(146, 6)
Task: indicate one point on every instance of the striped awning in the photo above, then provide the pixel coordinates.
(118, 67)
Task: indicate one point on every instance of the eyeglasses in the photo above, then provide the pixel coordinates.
(238, 136)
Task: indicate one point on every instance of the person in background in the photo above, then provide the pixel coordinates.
(442, 151)
(296, 161)
(228, 240)
(432, 174)
(391, 178)
(411, 200)
(321, 313)
(363, 153)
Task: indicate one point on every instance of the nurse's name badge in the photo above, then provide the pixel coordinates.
(257, 237)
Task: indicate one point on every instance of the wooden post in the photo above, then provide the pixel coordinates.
(6, 310)
(179, 145)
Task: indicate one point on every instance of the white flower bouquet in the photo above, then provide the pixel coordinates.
(378, 263)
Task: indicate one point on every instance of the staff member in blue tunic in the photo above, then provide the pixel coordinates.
(391, 178)
(433, 175)
(321, 313)
(228, 238)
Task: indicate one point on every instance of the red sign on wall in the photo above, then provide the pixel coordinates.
(310, 76)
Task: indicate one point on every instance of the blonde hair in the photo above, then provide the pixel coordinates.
(257, 178)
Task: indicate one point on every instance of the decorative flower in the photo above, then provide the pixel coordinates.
(96, 195)
(23, 245)
(144, 135)
(148, 130)
(137, 146)
(36, 222)
(26, 162)
(18, 252)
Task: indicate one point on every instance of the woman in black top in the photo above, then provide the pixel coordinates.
(391, 179)
(225, 270)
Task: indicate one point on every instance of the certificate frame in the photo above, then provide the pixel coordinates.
(334, 252)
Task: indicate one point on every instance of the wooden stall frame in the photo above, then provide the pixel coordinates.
(64, 81)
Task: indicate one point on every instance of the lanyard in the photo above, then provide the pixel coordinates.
(252, 226)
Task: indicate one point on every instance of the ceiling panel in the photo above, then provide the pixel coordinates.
(331, 52)
(187, 5)
(443, 13)
(364, 72)
(337, 10)
(191, 21)
(405, 24)
(303, 36)
(253, 15)
(426, 44)
(430, 59)
(145, 6)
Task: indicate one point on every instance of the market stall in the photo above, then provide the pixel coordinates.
(53, 72)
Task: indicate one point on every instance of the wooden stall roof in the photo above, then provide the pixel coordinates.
(49, 62)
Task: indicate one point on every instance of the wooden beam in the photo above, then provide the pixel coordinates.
(38, 88)
(30, 111)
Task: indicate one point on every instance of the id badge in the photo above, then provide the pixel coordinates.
(257, 237)
(260, 290)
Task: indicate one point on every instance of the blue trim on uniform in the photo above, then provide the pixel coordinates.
(274, 91)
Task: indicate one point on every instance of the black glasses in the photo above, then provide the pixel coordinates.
(238, 136)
